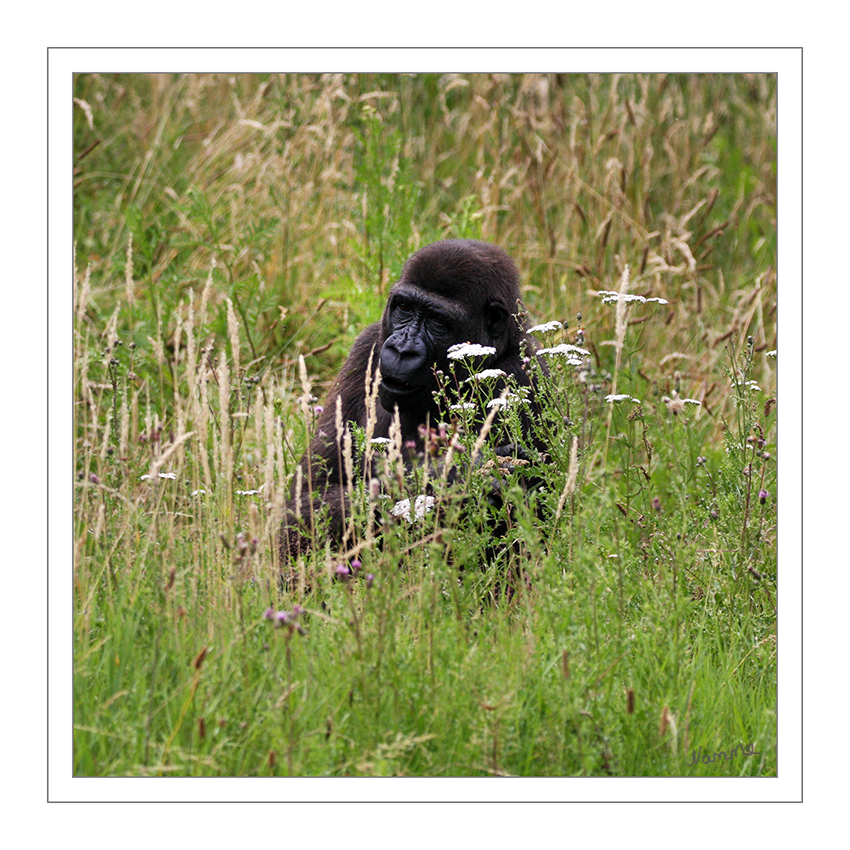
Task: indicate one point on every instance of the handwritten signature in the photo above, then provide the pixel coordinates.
(745, 749)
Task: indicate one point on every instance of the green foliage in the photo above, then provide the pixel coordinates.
(614, 613)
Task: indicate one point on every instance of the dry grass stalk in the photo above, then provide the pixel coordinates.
(395, 456)
(572, 477)
(268, 420)
(201, 419)
(233, 333)
(83, 293)
(159, 461)
(129, 286)
(485, 428)
(225, 448)
(124, 432)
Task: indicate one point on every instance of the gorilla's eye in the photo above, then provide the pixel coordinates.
(438, 326)
(403, 311)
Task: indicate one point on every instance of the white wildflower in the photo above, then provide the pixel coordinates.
(250, 492)
(470, 349)
(507, 401)
(486, 375)
(771, 353)
(199, 492)
(564, 349)
(421, 506)
(609, 297)
(621, 397)
(545, 328)
(466, 405)
(379, 441)
(172, 476)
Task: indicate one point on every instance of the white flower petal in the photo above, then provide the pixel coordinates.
(564, 349)
(421, 506)
(487, 374)
(546, 328)
(470, 349)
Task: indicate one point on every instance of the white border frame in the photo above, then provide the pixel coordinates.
(786, 62)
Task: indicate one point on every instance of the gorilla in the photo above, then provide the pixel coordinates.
(450, 292)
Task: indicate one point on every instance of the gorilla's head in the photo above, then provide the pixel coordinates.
(450, 292)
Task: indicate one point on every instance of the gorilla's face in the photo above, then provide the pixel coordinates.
(421, 327)
(450, 292)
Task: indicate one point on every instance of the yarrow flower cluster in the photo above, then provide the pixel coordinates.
(469, 349)
(421, 506)
(573, 353)
(380, 441)
(609, 297)
(548, 327)
(621, 397)
(250, 492)
(487, 375)
(172, 476)
(508, 400)
(465, 405)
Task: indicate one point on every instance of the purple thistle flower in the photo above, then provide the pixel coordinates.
(763, 494)
(369, 579)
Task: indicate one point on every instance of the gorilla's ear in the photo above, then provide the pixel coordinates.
(496, 317)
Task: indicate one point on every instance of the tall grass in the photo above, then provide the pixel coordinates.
(233, 234)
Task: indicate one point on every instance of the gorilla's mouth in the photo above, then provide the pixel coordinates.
(396, 387)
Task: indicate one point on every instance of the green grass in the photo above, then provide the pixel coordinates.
(233, 235)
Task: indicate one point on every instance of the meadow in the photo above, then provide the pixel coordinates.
(233, 234)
